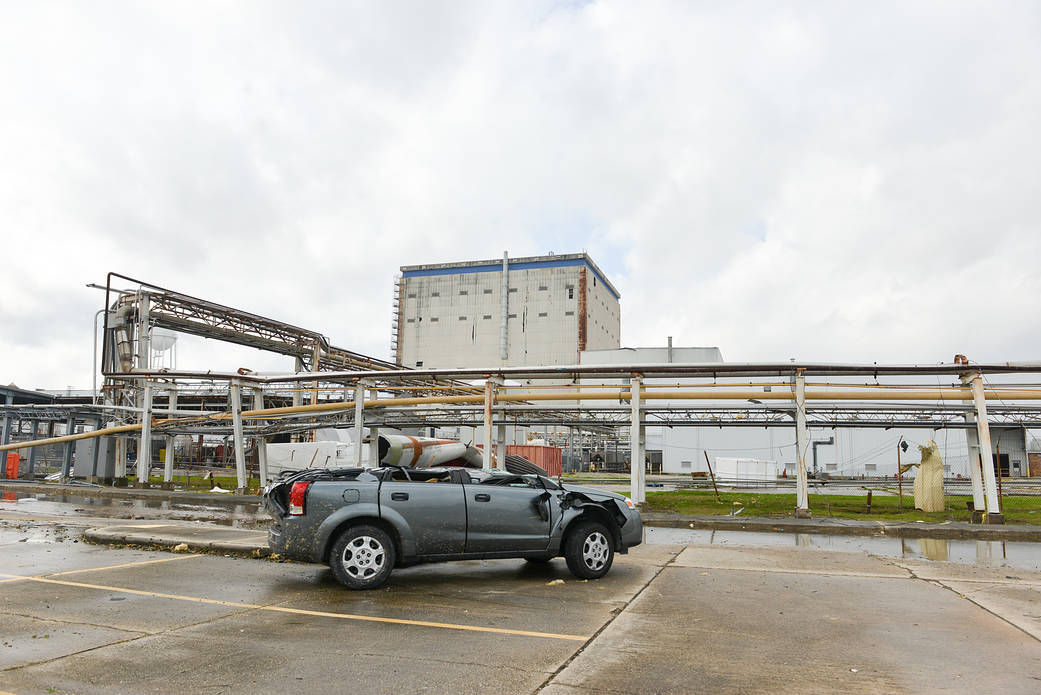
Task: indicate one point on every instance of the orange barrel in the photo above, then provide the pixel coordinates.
(12, 465)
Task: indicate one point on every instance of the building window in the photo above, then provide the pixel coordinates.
(571, 293)
(411, 295)
(487, 291)
(513, 289)
(684, 464)
(419, 363)
(435, 294)
(543, 288)
(463, 293)
(569, 313)
(410, 320)
(511, 316)
(433, 319)
(486, 316)
(462, 318)
(543, 314)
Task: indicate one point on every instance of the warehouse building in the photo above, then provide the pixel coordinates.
(539, 310)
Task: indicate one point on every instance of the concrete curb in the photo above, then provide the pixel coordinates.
(197, 538)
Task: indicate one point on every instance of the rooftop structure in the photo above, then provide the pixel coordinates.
(538, 310)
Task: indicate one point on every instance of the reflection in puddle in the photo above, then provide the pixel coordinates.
(984, 553)
(238, 515)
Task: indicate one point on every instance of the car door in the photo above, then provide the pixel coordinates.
(434, 513)
(507, 518)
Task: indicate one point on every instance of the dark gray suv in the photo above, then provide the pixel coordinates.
(364, 522)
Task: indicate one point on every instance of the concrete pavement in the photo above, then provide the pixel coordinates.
(86, 618)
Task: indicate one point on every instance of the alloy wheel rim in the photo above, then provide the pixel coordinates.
(363, 557)
(594, 551)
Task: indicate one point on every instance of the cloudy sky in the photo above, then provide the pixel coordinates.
(826, 181)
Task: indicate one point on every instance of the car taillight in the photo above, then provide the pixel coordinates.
(297, 493)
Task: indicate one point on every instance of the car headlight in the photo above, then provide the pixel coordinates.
(629, 503)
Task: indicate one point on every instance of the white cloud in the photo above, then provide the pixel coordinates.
(827, 181)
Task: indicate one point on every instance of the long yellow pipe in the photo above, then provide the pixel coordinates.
(618, 395)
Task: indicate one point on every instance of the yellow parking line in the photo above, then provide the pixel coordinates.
(302, 611)
(14, 578)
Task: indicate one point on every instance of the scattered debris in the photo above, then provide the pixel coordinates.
(181, 548)
(555, 582)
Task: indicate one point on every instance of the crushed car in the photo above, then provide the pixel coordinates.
(364, 522)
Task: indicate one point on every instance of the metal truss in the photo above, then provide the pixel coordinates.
(190, 315)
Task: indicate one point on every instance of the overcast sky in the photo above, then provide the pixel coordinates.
(825, 181)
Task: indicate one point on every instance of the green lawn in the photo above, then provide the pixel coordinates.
(199, 484)
(1018, 510)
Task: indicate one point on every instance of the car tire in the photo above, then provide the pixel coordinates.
(362, 557)
(588, 550)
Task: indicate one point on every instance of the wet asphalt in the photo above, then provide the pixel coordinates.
(730, 614)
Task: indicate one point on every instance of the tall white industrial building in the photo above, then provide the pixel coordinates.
(539, 310)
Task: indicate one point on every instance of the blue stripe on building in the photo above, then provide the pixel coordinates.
(497, 267)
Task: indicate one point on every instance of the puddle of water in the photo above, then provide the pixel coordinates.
(983, 553)
(232, 514)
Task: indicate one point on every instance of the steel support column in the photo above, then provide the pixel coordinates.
(95, 453)
(359, 420)
(990, 486)
(144, 447)
(802, 445)
(5, 439)
(35, 425)
(374, 435)
(636, 473)
(972, 440)
(261, 442)
(235, 395)
(66, 463)
(500, 447)
(488, 461)
(168, 459)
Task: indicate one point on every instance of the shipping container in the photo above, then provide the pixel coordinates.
(550, 458)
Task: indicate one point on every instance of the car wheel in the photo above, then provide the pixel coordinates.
(588, 550)
(362, 557)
